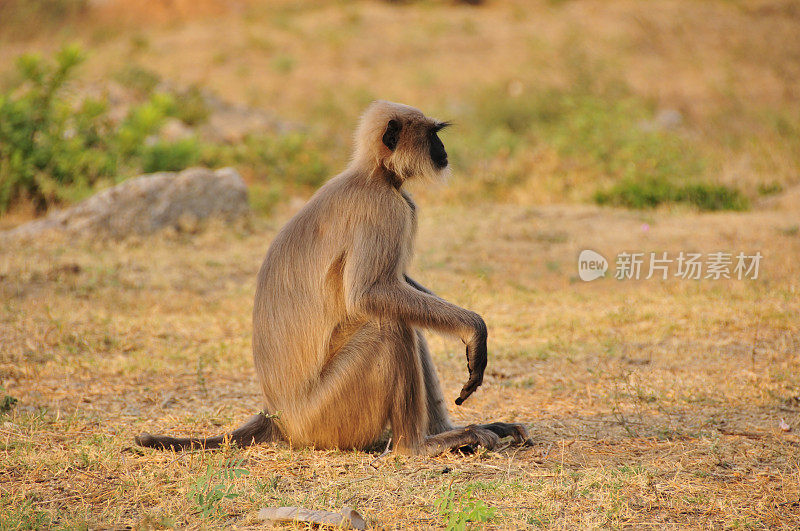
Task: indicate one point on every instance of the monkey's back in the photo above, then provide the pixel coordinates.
(300, 299)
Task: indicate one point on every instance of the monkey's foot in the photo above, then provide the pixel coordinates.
(486, 435)
(505, 429)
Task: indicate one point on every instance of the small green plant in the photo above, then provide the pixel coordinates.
(538, 519)
(7, 402)
(457, 509)
(283, 64)
(213, 487)
(16, 513)
(191, 107)
(170, 156)
(142, 80)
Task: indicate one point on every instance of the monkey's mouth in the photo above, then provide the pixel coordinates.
(440, 162)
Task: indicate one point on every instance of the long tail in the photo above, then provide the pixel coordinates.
(258, 429)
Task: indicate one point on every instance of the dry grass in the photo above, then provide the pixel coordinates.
(654, 404)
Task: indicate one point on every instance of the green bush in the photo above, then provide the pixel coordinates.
(45, 143)
(712, 197)
(170, 156)
(55, 149)
(191, 106)
(143, 121)
(651, 192)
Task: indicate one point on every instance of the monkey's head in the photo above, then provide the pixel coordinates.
(401, 140)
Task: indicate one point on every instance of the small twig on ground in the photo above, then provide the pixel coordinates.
(383, 454)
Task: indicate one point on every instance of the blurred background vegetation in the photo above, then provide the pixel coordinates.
(636, 104)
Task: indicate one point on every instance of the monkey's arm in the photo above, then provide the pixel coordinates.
(400, 301)
(373, 286)
(419, 287)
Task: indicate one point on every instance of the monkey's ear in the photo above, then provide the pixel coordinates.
(392, 134)
(441, 125)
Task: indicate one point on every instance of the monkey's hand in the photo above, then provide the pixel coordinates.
(476, 361)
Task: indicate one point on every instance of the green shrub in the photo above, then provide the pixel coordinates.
(53, 148)
(712, 197)
(45, 143)
(170, 156)
(143, 121)
(651, 192)
(191, 107)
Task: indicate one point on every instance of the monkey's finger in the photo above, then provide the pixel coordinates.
(472, 384)
(466, 391)
(521, 436)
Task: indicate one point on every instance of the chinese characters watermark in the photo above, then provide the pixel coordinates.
(689, 266)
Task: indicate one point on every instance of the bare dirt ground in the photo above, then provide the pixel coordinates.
(652, 403)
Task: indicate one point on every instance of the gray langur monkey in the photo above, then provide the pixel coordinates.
(337, 322)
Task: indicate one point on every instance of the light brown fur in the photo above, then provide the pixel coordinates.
(336, 324)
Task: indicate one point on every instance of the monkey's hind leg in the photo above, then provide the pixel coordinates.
(438, 418)
(258, 429)
(443, 435)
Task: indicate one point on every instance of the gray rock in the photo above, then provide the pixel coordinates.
(148, 203)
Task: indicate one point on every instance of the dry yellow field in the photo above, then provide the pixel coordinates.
(652, 403)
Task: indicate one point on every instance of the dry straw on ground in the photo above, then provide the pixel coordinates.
(652, 403)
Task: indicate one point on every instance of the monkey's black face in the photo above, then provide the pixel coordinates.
(438, 154)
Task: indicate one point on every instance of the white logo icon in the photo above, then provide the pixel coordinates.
(591, 265)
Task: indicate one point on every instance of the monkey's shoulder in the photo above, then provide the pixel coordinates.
(350, 196)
